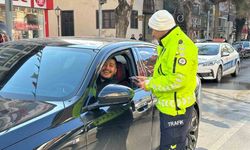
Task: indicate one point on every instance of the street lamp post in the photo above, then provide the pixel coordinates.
(58, 12)
(228, 21)
(208, 19)
(9, 22)
(209, 6)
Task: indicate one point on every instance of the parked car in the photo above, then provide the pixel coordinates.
(4, 37)
(48, 96)
(217, 60)
(243, 48)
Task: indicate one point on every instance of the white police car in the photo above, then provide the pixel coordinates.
(217, 60)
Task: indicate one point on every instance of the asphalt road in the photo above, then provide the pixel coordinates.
(225, 122)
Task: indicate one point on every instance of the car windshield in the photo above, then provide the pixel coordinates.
(208, 49)
(38, 72)
(242, 44)
(246, 44)
(237, 45)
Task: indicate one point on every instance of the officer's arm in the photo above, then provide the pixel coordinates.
(173, 78)
(167, 83)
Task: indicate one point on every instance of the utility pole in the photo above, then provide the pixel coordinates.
(213, 20)
(8, 17)
(101, 2)
(228, 21)
(100, 18)
(208, 20)
(58, 13)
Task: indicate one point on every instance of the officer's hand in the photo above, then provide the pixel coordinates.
(141, 82)
(141, 78)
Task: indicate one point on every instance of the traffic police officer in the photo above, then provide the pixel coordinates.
(174, 79)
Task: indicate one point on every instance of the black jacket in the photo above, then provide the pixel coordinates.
(102, 82)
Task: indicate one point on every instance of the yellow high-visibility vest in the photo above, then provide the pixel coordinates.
(174, 78)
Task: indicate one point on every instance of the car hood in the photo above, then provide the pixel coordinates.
(15, 112)
(203, 58)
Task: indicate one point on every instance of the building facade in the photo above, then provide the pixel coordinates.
(30, 18)
(226, 20)
(80, 18)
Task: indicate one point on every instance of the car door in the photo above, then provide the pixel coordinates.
(246, 46)
(148, 57)
(126, 126)
(234, 57)
(226, 58)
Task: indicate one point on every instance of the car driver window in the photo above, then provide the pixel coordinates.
(148, 58)
(126, 70)
(113, 71)
(107, 74)
(122, 70)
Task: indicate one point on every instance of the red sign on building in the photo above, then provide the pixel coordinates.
(43, 4)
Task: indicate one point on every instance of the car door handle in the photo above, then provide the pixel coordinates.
(143, 108)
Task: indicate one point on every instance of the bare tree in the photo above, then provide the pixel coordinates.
(187, 7)
(217, 15)
(123, 12)
(242, 11)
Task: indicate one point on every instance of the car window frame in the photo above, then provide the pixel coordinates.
(140, 59)
(99, 62)
(230, 48)
(223, 48)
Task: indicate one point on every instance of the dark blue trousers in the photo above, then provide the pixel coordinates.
(174, 130)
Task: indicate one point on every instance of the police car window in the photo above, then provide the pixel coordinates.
(230, 48)
(148, 58)
(224, 48)
(208, 49)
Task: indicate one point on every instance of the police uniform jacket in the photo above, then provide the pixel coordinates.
(174, 77)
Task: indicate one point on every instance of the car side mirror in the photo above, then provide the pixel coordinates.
(225, 54)
(113, 94)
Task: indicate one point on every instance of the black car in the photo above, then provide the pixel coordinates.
(243, 48)
(48, 96)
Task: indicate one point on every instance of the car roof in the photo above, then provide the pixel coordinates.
(96, 43)
(240, 41)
